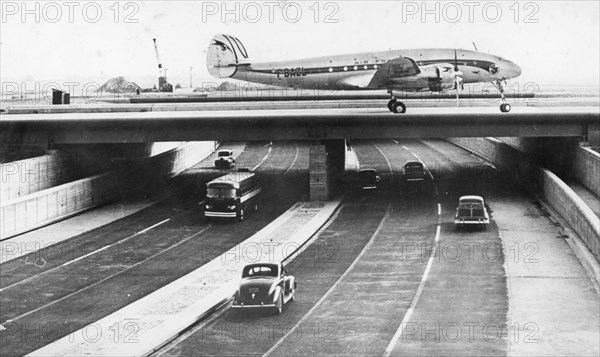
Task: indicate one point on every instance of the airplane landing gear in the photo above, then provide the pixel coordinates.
(504, 107)
(399, 107)
(396, 106)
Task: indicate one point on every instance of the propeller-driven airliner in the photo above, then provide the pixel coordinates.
(397, 71)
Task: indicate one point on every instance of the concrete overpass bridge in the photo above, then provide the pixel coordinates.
(296, 124)
(328, 129)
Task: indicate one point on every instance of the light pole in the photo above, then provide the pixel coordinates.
(191, 76)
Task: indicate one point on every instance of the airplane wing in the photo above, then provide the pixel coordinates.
(394, 70)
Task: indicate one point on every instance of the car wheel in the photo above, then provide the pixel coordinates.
(279, 307)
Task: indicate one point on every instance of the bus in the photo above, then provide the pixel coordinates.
(232, 195)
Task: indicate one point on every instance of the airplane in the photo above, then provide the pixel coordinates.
(398, 71)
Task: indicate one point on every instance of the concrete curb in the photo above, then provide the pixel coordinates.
(159, 317)
(583, 254)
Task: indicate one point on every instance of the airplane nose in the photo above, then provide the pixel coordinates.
(514, 70)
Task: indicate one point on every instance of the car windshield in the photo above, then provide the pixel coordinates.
(470, 203)
(413, 167)
(220, 192)
(224, 154)
(260, 271)
(367, 175)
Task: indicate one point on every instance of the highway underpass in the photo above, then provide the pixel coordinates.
(363, 277)
(365, 283)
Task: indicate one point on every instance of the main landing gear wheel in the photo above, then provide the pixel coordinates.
(398, 107)
(505, 107)
(391, 104)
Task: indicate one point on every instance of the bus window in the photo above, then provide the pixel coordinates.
(217, 192)
(232, 195)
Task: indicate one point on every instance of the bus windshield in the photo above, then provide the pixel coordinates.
(220, 192)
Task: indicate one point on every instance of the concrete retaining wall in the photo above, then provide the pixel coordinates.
(35, 210)
(518, 168)
(572, 209)
(23, 177)
(44, 207)
(587, 169)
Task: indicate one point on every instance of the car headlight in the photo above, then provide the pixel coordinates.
(231, 207)
(208, 207)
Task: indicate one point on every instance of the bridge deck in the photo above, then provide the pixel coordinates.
(298, 124)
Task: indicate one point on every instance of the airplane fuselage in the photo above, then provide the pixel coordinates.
(356, 71)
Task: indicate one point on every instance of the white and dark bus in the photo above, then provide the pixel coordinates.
(232, 195)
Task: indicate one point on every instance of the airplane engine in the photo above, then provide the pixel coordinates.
(440, 78)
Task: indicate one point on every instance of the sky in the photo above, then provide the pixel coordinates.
(555, 42)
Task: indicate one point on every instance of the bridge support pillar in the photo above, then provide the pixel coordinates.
(326, 168)
(593, 135)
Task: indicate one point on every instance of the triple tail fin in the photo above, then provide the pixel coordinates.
(225, 53)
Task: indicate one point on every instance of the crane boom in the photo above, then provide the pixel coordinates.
(163, 84)
(160, 71)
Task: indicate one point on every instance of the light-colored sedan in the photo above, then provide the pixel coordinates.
(471, 210)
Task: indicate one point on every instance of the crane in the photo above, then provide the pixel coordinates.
(163, 85)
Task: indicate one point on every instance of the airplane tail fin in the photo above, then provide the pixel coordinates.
(225, 54)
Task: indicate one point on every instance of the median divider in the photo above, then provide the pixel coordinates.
(152, 321)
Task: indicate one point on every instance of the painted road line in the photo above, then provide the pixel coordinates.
(86, 255)
(119, 242)
(388, 162)
(413, 304)
(362, 252)
(294, 161)
(109, 277)
(264, 158)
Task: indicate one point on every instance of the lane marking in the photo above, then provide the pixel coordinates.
(293, 162)
(362, 252)
(225, 307)
(386, 160)
(119, 242)
(413, 304)
(86, 255)
(264, 158)
(424, 164)
(108, 277)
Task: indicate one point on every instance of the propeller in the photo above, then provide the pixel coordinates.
(457, 79)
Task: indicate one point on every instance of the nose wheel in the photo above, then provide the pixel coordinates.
(504, 107)
(396, 107)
